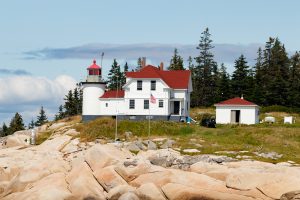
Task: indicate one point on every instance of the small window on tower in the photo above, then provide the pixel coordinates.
(106, 104)
(139, 85)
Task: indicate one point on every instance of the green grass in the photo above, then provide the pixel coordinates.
(281, 138)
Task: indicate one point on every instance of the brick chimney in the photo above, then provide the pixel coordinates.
(161, 66)
(143, 62)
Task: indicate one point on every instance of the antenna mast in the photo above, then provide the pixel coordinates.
(102, 58)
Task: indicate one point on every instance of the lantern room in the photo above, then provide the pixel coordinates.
(94, 72)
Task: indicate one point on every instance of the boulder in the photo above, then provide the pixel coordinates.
(161, 157)
(167, 144)
(159, 178)
(149, 191)
(294, 195)
(131, 169)
(175, 191)
(132, 147)
(71, 132)
(72, 146)
(52, 187)
(191, 151)
(109, 178)
(116, 192)
(277, 188)
(128, 196)
(54, 144)
(100, 156)
(150, 145)
(17, 139)
(82, 183)
(57, 125)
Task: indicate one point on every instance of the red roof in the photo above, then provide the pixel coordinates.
(94, 66)
(237, 101)
(176, 79)
(113, 94)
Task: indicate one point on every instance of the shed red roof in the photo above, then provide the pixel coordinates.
(237, 101)
(177, 79)
(94, 65)
(113, 94)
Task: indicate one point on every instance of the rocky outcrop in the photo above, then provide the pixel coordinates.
(64, 168)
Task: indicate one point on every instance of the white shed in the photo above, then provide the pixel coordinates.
(237, 111)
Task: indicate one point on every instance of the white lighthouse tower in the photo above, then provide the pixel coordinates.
(93, 88)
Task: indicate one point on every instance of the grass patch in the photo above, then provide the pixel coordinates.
(43, 136)
(281, 138)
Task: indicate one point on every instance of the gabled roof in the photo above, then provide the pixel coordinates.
(176, 79)
(237, 101)
(113, 94)
(94, 65)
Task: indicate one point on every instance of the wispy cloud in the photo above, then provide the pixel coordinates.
(226, 53)
(14, 72)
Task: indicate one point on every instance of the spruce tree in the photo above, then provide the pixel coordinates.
(114, 76)
(77, 103)
(41, 118)
(176, 62)
(259, 80)
(123, 77)
(4, 131)
(223, 84)
(139, 64)
(294, 81)
(31, 125)
(276, 65)
(69, 104)
(16, 124)
(241, 80)
(203, 75)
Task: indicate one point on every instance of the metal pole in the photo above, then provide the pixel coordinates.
(149, 122)
(116, 134)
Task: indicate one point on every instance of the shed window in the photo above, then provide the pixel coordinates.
(131, 104)
(139, 85)
(146, 104)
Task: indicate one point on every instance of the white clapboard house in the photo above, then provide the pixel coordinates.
(152, 91)
(237, 111)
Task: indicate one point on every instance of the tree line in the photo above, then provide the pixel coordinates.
(274, 79)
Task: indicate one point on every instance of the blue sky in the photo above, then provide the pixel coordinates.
(54, 41)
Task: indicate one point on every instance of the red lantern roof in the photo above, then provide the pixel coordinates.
(94, 65)
(237, 101)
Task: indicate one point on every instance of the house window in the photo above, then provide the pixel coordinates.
(146, 104)
(106, 104)
(131, 104)
(161, 103)
(139, 85)
(153, 85)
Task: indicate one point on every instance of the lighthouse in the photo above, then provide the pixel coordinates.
(92, 89)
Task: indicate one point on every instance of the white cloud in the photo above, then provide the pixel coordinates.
(25, 94)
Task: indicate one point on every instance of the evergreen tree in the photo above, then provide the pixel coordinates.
(114, 76)
(60, 114)
(259, 80)
(31, 125)
(139, 64)
(16, 124)
(276, 66)
(241, 80)
(223, 85)
(176, 62)
(294, 81)
(70, 108)
(41, 118)
(4, 131)
(77, 102)
(204, 73)
(123, 77)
